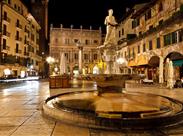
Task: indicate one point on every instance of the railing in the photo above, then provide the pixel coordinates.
(6, 48)
(18, 51)
(26, 54)
(18, 25)
(6, 33)
(7, 19)
(175, 17)
(18, 38)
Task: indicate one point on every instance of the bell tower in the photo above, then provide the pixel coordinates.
(39, 9)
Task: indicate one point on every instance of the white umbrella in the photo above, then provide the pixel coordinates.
(170, 83)
(63, 64)
(161, 70)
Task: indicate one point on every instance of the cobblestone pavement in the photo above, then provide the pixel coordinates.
(21, 104)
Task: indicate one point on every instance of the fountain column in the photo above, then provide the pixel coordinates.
(109, 59)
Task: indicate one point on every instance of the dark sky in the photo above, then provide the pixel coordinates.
(86, 12)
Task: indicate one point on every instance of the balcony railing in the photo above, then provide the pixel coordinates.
(18, 25)
(7, 48)
(6, 33)
(177, 16)
(18, 38)
(7, 19)
(26, 30)
(18, 51)
(26, 54)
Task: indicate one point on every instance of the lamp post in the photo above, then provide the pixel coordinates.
(50, 61)
(80, 47)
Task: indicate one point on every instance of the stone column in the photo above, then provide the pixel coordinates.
(80, 58)
(161, 70)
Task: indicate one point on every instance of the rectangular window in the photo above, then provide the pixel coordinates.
(86, 56)
(87, 42)
(135, 23)
(144, 47)
(148, 15)
(150, 45)
(76, 40)
(67, 56)
(174, 37)
(95, 56)
(138, 48)
(66, 41)
(122, 31)
(181, 35)
(4, 44)
(76, 56)
(129, 53)
(17, 48)
(167, 39)
(95, 41)
(5, 15)
(160, 8)
(4, 29)
(119, 34)
(158, 43)
(133, 53)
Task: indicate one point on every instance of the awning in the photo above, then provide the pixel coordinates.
(178, 63)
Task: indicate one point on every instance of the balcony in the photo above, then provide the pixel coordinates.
(18, 38)
(5, 47)
(18, 51)
(26, 54)
(26, 42)
(176, 17)
(6, 33)
(18, 25)
(7, 19)
(26, 30)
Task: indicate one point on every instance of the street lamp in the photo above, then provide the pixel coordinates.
(80, 47)
(50, 61)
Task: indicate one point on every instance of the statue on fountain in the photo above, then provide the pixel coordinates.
(111, 24)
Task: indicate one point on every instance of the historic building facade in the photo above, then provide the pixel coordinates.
(68, 41)
(156, 32)
(19, 50)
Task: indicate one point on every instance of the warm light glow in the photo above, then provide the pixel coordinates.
(22, 74)
(95, 70)
(122, 61)
(50, 60)
(7, 72)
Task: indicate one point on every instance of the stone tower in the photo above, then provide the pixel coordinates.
(39, 9)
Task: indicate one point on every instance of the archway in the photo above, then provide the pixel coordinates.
(152, 71)
(177, 59)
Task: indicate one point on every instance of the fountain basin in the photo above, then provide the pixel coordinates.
(114, 110)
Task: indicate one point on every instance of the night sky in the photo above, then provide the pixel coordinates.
(86, 12)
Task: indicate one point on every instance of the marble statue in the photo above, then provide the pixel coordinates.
(111, 24)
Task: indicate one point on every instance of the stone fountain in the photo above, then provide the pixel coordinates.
(110, 106)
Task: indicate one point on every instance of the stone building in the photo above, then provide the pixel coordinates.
(39, 9)
(156, 32)
(19, 40)
(67, 40)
